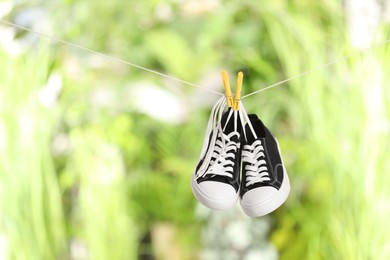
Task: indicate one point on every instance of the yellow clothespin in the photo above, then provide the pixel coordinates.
(226, 85)
(237, 96)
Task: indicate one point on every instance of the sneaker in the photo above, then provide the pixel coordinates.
(215, 182)
(265, 185)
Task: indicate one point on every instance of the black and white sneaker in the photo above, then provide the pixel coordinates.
(265, 185)
(215, 182)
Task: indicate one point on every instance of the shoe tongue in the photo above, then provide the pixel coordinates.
(225, 117)
(228, 124)
(258, 127)
(233, 138)
(249, 135)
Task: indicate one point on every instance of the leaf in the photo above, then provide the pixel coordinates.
(171, 51)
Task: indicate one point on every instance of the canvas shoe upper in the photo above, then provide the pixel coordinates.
(215, 182)
(265, 185)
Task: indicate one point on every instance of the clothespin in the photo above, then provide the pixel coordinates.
(226, 85)
(237, 96)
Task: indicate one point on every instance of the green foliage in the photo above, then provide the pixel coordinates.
(91, 175)
(171, 51)
(31, 213)
(101, 214)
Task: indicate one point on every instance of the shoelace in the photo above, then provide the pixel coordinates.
(257, 170)
(215, 130)
(223, 142)
(221, 165)
(253, 154)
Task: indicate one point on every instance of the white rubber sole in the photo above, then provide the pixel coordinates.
(266, 207)
(212, 203)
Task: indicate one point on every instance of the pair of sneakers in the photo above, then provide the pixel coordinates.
(240, 160)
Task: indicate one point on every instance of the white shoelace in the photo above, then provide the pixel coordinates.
(253, 154)
(221, 165)
(221, 149)
(257, 170)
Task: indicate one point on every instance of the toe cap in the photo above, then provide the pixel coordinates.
(258, 196)
(217, 190)
(215, 195)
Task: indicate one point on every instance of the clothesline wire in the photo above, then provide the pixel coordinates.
(74, 45)
(319, 67)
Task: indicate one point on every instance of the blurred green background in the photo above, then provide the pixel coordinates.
(96, 156)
